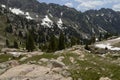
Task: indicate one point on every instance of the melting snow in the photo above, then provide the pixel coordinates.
(47, 22)
(37, 16)
(16, 11)
(27, 13)
(28, 16)
(61, 13)
(50, 15)
(102, 14)
(93, 31)
(3, 6)
(108, 45)
(60, 23)
(20, 12)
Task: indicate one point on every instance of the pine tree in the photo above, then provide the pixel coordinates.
(93, 39)
(30, 43)
(74, 41)
(100, 37)
(7, 43)
(15, 44)
(87, 47)
(53, 44)
(61, 42)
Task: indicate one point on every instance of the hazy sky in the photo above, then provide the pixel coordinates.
(84, 5)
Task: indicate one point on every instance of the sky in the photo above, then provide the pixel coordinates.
(83, 5)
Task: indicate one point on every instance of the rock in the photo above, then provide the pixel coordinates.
(79, 52)
(58, 70)
(44, 60)
(32, 72)
(104, 78)
(29, 55)
(13, 63)
(32, 62)
(59, 52)
(23, 59)
(65, 73)
(56, 63)
(72, 59)
(9, 50)
(3, 65)
(2, 71)
(36, 53)
(60, 58)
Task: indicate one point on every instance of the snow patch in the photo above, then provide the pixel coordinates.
(28, 16)
(97, 14)
(3, 6)
(20, 12)
(102, 14)
(103, 46)
(27, 13)
(101, 30)
(93, 31)
(60, 23)
(37, 16)
(61, 13)
(50, 15)
(16, 11)
(47, 22)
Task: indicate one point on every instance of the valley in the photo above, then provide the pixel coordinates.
(40, 41)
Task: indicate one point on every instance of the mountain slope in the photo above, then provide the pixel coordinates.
(50, 19)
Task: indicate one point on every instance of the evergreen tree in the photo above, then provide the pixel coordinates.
(87, 47)
(61, 42)
(9, 29)
(100, 37)
(15, 44)
(53, 44)
(30, 43)
(74, 41)
(93, 39)
(7, 43)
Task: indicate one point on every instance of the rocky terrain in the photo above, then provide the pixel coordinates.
(74, 63)
(100, 61)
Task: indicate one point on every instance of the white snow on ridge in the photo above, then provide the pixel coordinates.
(50, 15)
(61, 13)
(28, 16)
(3, 6)
(60, 23)
(37, 16)
(20, 12)
(47, 22)
(93, 31)
(17, 11)
(27, 13)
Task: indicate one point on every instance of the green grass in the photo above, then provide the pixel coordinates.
(97, 67)
(38, 57)
(5, 57)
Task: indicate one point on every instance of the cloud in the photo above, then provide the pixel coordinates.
(69, 4)
(96, 4)
(116, 7)
(89, 4)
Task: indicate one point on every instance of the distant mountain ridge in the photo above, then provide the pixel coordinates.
(53, 18)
